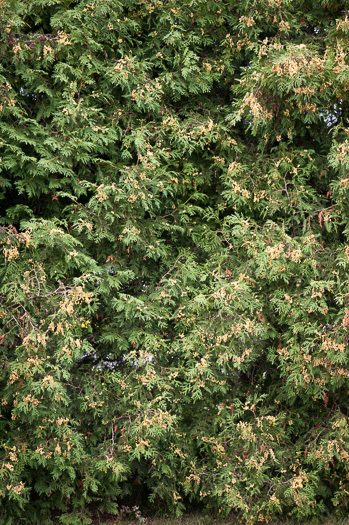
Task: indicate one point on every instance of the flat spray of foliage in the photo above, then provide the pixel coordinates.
(174, 293)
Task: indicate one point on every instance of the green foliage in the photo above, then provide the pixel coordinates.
(174, 257)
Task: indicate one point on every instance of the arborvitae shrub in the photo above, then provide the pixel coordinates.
(174, 257)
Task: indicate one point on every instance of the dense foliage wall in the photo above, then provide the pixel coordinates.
(174, 257)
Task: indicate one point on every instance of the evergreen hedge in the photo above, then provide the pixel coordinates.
(174, 257)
